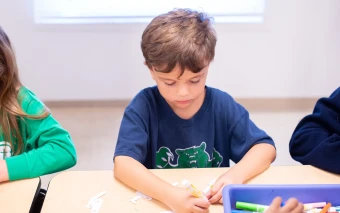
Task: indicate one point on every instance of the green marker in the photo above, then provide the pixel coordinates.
(251, 207)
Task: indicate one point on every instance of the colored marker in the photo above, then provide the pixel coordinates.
(193, 190)
(241, 211)
(318, 210)
(251, 207)
(309, 206)
(325, 209)
(313, 211)
(332, 209)
(208, 188)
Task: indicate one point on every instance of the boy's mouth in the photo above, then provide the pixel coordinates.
(183, 102)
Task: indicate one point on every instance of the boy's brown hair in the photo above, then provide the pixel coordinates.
(181, 37)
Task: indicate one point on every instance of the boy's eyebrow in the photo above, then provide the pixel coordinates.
(198, 76)
(168, 79)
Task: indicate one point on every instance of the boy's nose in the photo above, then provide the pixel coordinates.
(183, 91)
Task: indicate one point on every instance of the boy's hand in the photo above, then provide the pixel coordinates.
(181, 201)
(215, 194)
(291, 206)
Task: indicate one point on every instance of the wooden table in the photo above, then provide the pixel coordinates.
(70, 191)
(17, 196)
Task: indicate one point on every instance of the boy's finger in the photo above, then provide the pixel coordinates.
(299, 209)
(276, 202)
(216, 197)
(208, 195)
(291, 204)
(216, 188)
(275, 205)
(197, 209)
(201, 202)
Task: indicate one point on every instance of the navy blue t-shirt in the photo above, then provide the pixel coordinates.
(154, 135)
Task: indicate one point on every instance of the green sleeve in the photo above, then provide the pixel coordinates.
(52, 148)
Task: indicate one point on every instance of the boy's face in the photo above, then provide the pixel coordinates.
(184, 91)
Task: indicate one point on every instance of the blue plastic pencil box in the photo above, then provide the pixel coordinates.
(264, 194)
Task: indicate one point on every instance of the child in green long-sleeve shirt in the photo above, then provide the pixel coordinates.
(32, 142)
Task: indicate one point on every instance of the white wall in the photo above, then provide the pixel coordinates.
(294, 54)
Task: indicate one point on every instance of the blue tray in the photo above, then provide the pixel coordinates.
(264, 194)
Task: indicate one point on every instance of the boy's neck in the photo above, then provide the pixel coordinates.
(190, 111)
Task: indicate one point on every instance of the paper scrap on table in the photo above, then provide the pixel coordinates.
(138, 196)
(96, 206)
(95, 203)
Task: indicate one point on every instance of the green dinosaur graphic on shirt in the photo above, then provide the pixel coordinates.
(192, 157)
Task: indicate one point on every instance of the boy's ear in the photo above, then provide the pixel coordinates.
(152, 72)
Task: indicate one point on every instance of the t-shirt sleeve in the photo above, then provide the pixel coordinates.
(132, 137)
(243, 131)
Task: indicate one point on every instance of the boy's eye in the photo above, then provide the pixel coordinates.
(169, 84)
(195, 82)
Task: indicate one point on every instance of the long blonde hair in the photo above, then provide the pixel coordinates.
(10, 109)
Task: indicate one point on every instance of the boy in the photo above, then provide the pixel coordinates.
(181, 123)
(316, 139)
